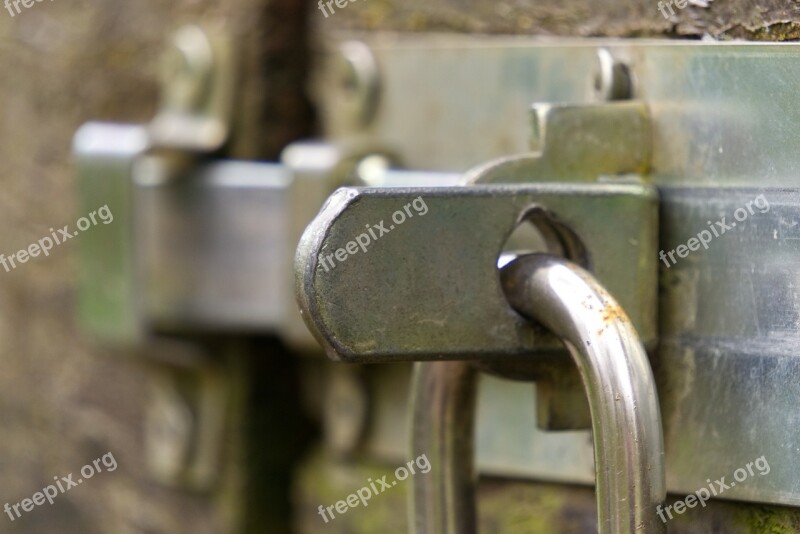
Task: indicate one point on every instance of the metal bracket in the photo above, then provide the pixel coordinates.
(429, 289)
(576, 143)
(423, 311)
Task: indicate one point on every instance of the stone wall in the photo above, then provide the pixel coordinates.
(773, 20)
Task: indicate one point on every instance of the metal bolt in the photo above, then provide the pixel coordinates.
(357, 73)
(187, 66)
(613, 78)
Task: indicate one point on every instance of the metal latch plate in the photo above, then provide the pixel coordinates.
(440, 295)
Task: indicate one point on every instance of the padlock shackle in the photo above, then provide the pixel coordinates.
(626, 420)
(621, 390)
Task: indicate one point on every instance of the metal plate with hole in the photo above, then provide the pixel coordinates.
(445, 242)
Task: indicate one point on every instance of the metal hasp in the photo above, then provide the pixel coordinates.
(722, 121)
(193, 119)
(398, 297)
(411, 274)
(628, 445)
(201, 243)
(428, 288)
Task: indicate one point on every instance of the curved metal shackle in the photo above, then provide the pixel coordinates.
(626, 421)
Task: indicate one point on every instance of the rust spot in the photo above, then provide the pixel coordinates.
(613, 313)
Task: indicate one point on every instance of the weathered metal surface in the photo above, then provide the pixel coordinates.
(721, 113)
(212, 248)
(429, 289)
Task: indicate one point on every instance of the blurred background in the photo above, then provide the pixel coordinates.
(67, 399)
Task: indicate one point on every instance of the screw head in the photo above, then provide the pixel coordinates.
(357, 75)
(187, 66)
(612, 79)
